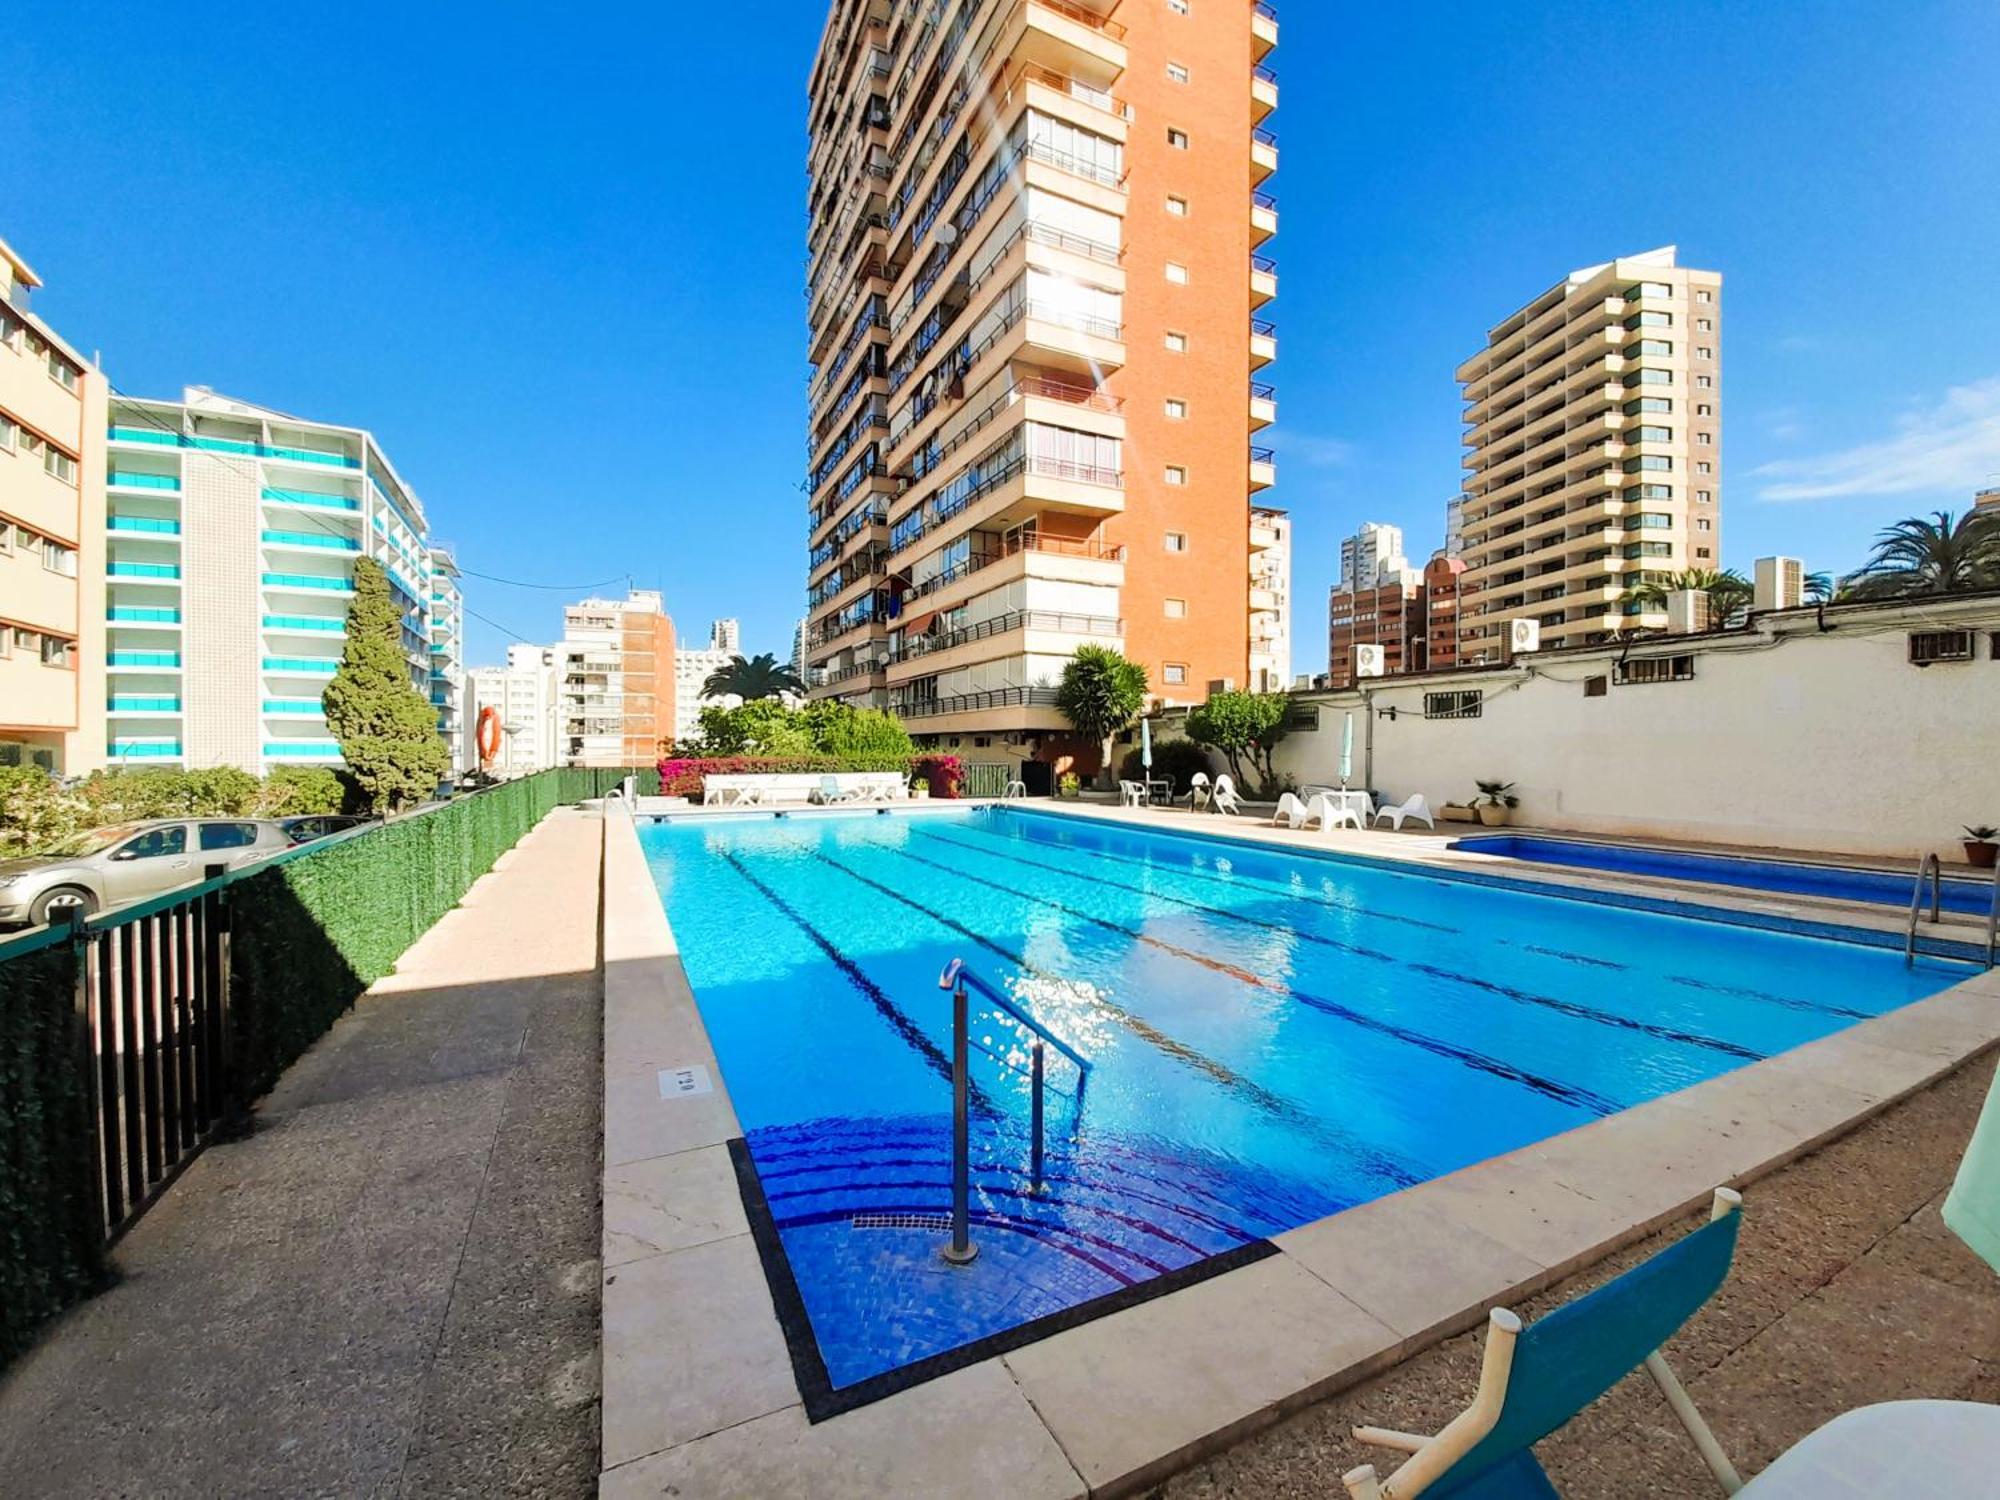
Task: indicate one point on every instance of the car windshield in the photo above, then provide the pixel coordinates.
(94, 841)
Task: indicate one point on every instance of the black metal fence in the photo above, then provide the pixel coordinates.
(152, 1000)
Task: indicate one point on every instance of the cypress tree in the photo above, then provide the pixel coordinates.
(387, 729)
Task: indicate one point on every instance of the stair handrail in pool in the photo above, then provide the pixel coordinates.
(1993, 920)
(958, 978)
(1933, 867)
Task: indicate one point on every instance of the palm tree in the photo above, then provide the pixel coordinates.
(1938, 554)
(1819, 588)
(1101, 693)
(751, 678)
(1728, 591)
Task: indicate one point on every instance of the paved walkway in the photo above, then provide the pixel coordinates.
(391, 1286)
(1847, 1289)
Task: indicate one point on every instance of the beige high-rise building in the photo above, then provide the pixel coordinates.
(1594, 438)
(52, 404)
(615, 684)
(1033, 279)
(1270, 599)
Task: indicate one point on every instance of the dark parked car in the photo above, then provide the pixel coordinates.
(309, 826)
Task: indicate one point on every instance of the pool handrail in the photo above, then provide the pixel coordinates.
(1933, 867)
(958, 970)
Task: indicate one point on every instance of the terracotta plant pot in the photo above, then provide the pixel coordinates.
(1493, 814)
(1980, 854)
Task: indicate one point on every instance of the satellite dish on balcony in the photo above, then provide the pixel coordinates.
(947, 233)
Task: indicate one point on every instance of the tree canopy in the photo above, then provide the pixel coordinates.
(752, 678)
(767, 727)
(1728, 591)
(1936, 554)
(386, 728)
(1244, 727)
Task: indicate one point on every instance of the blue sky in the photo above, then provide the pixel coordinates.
(554, 259)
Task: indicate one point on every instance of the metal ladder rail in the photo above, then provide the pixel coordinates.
(1933, 867)
(957, 978)
(1993, 921)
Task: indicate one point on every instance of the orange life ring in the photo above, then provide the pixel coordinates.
(487, 735)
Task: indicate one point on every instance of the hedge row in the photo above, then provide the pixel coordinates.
(685, 776)
(308, 935)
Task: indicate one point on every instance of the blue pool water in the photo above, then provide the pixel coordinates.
(1274, 1036)
(1836, 882)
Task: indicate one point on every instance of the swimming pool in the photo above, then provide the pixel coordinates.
(1274, 1036)
(1790, 877)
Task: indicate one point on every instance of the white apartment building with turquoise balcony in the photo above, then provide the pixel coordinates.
(231, 535)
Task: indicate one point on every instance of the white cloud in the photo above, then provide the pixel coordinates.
(1950, 448)
(1316, 452)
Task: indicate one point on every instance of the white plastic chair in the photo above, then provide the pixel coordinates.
(1131, 794)
(1198, 790)
(1291, 812)
(1332, 813)
(1415, 809)
(1224, 797)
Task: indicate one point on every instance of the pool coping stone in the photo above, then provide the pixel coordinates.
(1114, 1404)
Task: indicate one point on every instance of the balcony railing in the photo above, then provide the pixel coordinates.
(1054, 622)
(962, 703)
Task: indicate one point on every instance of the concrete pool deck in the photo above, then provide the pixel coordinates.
(698, 1391)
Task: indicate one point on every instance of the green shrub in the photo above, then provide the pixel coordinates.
(1173, 760)
(290, 791)
(35, 811)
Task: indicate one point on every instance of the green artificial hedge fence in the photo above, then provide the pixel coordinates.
(308, 934)
(51, 1251)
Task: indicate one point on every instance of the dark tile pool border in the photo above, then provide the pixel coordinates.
(1692, 908)
(817, 1392)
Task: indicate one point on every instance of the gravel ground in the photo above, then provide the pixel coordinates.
(1847, 1289)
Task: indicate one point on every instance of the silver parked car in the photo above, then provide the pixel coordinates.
(109, 867)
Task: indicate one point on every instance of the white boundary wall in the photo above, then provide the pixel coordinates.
(1786, 736)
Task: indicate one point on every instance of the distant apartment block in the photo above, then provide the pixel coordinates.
(1375, 551)
(1033, 292)
(692, 666)
(1594, 452)
(523, 695)
(1410, 617)
(1987, 500)
(615, 691)
(1270, 600)
(231, 531)
(51, 539)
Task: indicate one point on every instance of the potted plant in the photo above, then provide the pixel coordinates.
(920, 788)
(1495, 801)
(1070, 784)
(1980, 850)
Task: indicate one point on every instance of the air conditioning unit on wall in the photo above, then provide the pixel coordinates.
(1370, 661)
(1523, 636)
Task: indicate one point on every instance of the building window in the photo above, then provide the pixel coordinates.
(59, 464)
(1706, 497)
(1174, 674)
(1178, 7)
(1596, 687)
(1176, 409)
(1177, 206)
(8, 432)
(62, 371)
(1177, 541)
(1704, 467)
(1702, 294)
(1705, 439)
(1703, 409)
(1176, 343)
(1702, 351)
(1176, 474)
(1176, 609)
(1704, 325)
(1177, 72)
(1655, 669)
(1466, 704)
(1704, 382)
(1703, 552)
(1177, 138)
(59, 559)
(56, 651)
(1930, 646)
(1703, 523)
(1176, 273)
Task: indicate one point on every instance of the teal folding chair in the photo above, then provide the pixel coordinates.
(1535, 1379)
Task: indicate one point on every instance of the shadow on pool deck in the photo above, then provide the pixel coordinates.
(391, 1286)
(1847, 1289)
